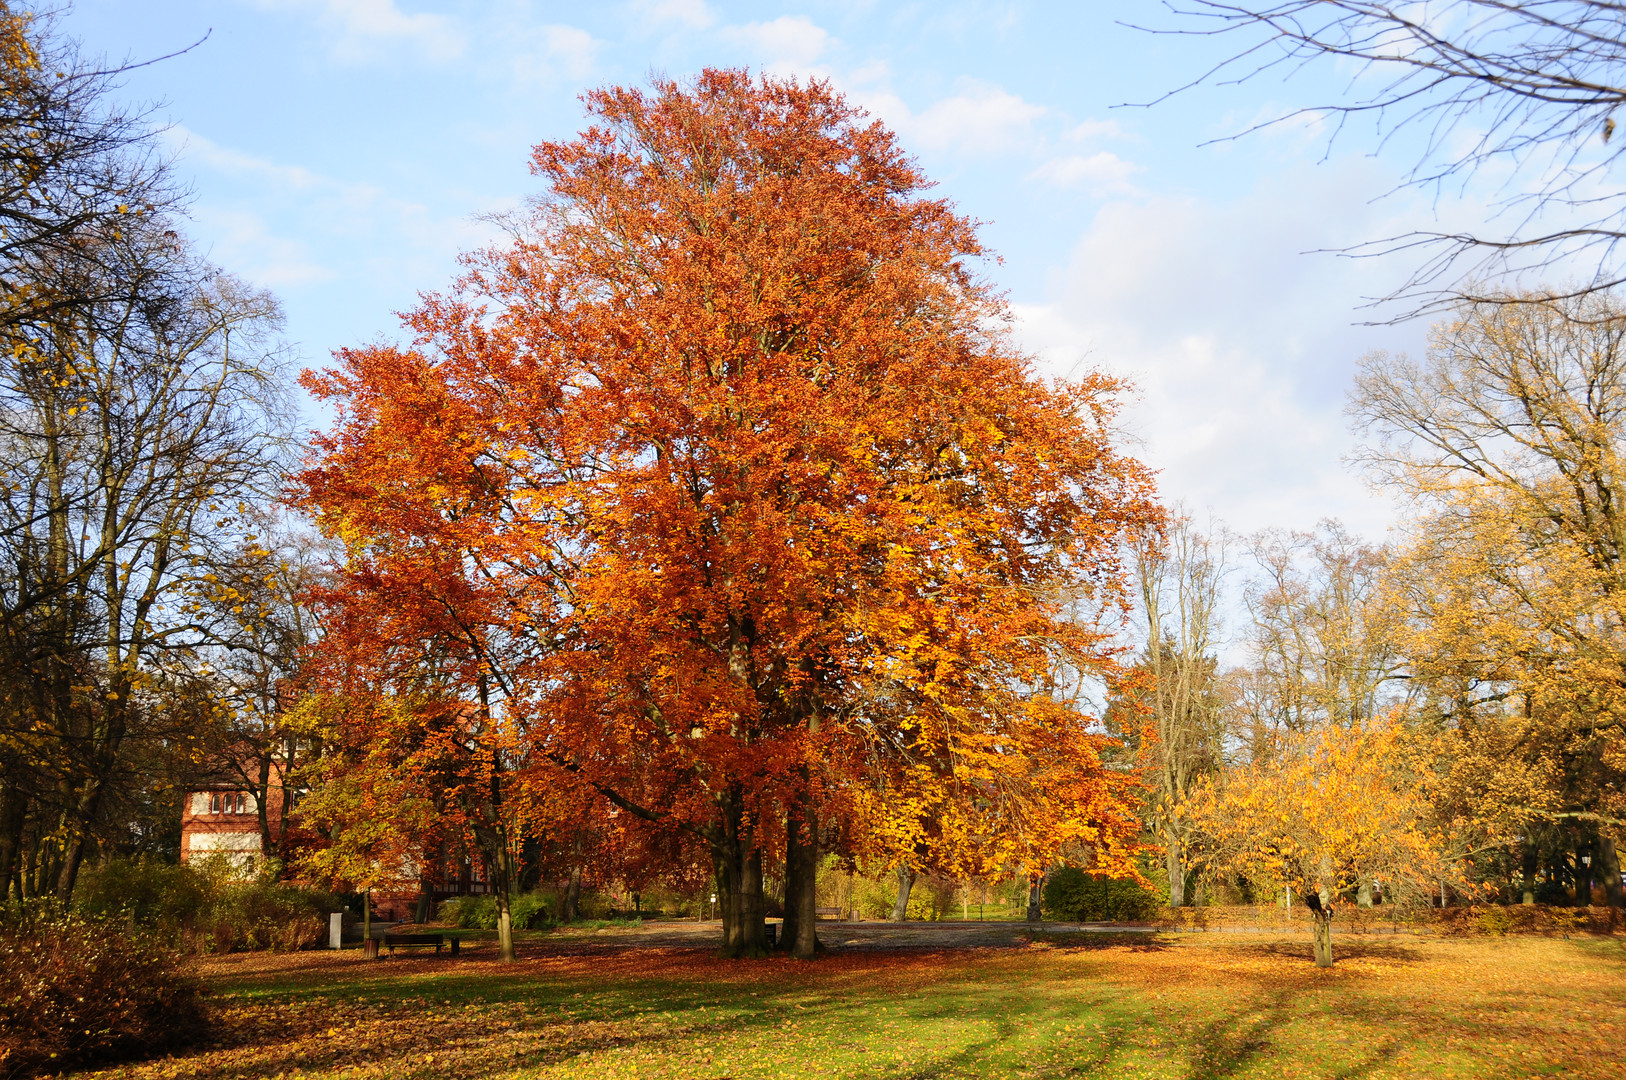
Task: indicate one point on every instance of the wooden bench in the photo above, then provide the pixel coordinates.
(827, 913)
(418, 941)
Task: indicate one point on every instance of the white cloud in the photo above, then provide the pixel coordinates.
(1095, 129)
(790, 41)
(1240, 345)
(542, 52)
(289, 227)
(980, 119)
(1103, 173)
(693, 14)
(243, 241)
(367, 29)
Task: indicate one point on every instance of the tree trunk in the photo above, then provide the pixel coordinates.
(906, 882)
(573, 895)
(801, 938)
(13, 815)
(1174, 861)
(262, 796)
(1035, 884)
(505, 913)
(737, 862)
(1609, 870)
(73, 854)
(1528, 869)
(1322, 916)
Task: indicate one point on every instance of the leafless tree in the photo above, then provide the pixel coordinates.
(1523, 88)
(1325, 639)
(1180, 580)
(143, 412)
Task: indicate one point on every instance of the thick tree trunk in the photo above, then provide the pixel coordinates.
(1035, 885)
(737, 862)
(801, 884)
(1528, 870)
(573, 885)
(1609, 870)
(906, 883)
(1174, 861)
(573, 895)
(793, 888)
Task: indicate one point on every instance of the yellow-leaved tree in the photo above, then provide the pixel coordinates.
(1336, 808)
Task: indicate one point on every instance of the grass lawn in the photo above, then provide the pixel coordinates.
(1185, 1006)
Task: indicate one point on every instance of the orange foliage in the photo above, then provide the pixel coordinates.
(726, 478)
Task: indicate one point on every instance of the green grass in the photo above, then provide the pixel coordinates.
(1188, 1007)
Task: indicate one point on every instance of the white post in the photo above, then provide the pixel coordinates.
(335, 930)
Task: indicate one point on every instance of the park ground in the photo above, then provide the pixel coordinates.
(933, 1002)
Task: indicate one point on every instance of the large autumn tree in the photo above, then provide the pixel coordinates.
(1508, 436)
(727, 479)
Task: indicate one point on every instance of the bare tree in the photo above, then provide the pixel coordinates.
(1180, 578)
(136, 433)
(142, 412)
(1325, 637)
(1525, 88)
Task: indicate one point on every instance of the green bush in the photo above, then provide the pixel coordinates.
(207, 905)
(1071, 895)
(77, 991)
(528, 910)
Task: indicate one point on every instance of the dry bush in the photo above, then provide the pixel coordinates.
(77, 991)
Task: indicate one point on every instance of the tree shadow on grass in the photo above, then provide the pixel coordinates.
(1230, 1044)
(1342, 949)
(1085, 940)
(263, 1044)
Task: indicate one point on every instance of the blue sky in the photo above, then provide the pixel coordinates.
(342, 153)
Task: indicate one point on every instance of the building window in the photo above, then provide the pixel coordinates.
(228, 802)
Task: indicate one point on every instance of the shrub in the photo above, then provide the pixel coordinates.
(1071, 895)
(76, 991)
(207, 905)
(528, 910)
(469, 912)
(150, 892)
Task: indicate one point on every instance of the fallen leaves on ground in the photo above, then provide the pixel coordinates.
(1171, 1007)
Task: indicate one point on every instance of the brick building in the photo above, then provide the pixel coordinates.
(225, 817)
